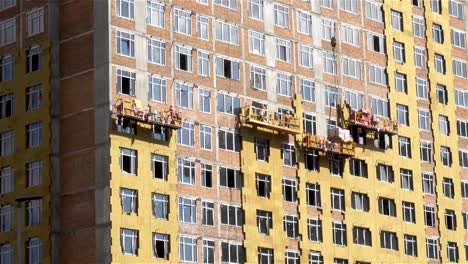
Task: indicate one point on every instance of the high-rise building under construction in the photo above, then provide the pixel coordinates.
(233, 131)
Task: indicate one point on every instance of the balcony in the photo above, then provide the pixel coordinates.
(326, 146)
(285, 123)
(133, 109)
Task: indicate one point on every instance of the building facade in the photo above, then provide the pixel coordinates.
(234, 131)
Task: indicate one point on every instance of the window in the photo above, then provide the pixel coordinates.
(283, 50)
(126, 82)
(351, 68)
(256, 9)
(7, 31)
(34, 60)
(313, 194)
(388, 240)
(404, 146)
(419, 57)
(263, 185)
(400, 82)
(406, 179)
(227, 68)
(202, 27)
(349, 5)
(326, 4)
(436, 6)
(399, 52)
(331, 96)
(374, 11)
(463, 156)
(360, 201)
(156, 51)
(205, 137)
(182, 22)
(336, 166)
(227, 32)
(34, 251)
(262, 149)
(456, 9)
(129, 200)
(186, 171)
(204, 102)
(184, 96)
(283, 84)
(289, 190)
(461, 98)
(423, 119)
(256, 43)
(379, 107)
(6, 218)
(6, 250)
(291, 257)
(307, 90)
(232, 253)
(34, 212)
(231, 215)
(155, 14)
(428, 183)
(264, 222)
(310, 126)
(315, 258)
(281, 16)
(418, 27)
(421, 88)
(160, 206)
(350, 35)
(437, 33)
(6, 68)
(459, 69)
(337, 199)
(207, 213)
(458, 38)
(7, 105)
(128, 161)
(397, 20)
(183, 58)
(377, 75)
(314, 226)
(206, 175)
(329, 63)
(432, 248)
(159, 166)
(387, 206)
(7, 143)
(161, 246)
(187, 249)
(450, 219)
(126, 44)
(411, 248)
(230, 178)
(426, 151)
(125, 8)
(465, 220)
(5, 5)
(208, 251)
(443, 125)
(362, 236)
(227, 3)
(312, 160)
(447, 187)
(157, 89)
(6, 180)
(452, 251)
(187, 210)
(288, 155)
(304, 23)
(328, 29)
(306, 56)
(439, 63)
(291, 226)
(375, 43)
(34, 173)
(36, 21)
(339, 234)
(464, 189)
(229, 140)
(402, 114)
(429, 215)
(409, 214)
(258, 78)
(446, 156)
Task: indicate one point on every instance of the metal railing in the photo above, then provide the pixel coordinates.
(270, 118)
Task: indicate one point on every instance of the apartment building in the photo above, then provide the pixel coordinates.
(234, 131)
